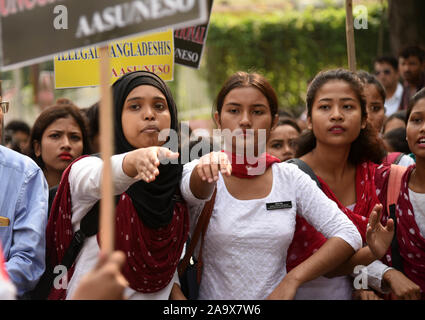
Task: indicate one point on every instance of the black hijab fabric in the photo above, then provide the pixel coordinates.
(153, 201)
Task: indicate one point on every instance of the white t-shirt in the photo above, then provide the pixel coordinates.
(246, 245)
(84, 181)
(392, 104)
(406, 161)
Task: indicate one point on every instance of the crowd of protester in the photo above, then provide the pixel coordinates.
(292, 220)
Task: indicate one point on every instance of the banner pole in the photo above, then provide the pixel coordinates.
(349, 28)
(106, 128)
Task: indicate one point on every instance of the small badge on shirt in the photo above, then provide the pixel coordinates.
(279, 205)
(4, 222)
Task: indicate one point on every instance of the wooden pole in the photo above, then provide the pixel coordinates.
(380, 50)
(349, 28)
(35, 73)
(106, 128)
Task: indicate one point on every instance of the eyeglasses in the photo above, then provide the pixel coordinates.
(4, 106)
(385, 71)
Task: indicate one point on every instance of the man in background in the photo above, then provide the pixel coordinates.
(386, 70)
(411, 63)
(23, 217)
(18, 133)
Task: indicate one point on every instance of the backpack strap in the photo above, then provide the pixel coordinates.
(398, 159)
(52, 194)
(393, 192)
(89, 226)
(394, 184)
(306, 168)
(201, 227)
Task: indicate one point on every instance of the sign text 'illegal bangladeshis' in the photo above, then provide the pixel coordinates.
(29, 35)
(153, 52)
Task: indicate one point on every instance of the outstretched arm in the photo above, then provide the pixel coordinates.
(205, 174)
(143, 163)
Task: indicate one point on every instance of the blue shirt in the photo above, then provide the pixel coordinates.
(23, 200)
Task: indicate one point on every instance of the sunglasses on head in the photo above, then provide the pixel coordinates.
(386, 72)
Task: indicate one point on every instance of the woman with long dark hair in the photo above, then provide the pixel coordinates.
(58, 137)
(409, 209)
(343, 150)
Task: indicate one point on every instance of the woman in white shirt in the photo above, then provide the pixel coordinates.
(151, 223)
(257, 200)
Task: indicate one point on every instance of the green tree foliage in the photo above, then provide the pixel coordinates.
(289, 48)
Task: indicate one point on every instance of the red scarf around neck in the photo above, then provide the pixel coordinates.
(248, 168)
(308, 240)
(151, 255)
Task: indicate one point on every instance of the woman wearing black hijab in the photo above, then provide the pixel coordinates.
(151, 222)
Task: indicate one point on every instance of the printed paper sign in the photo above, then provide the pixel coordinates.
(80, 68)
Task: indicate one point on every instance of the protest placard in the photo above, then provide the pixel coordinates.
(37, 30)
(189, 42)
(153, 52)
